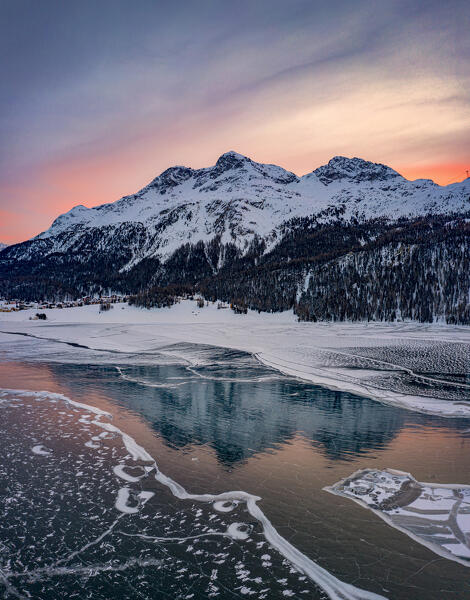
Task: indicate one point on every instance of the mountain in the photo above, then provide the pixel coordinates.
(239, 199)
(3, 246)
(226, 228)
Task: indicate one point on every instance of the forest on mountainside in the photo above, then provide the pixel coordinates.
(374, 270)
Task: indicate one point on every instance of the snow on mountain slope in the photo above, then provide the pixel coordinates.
(239, 199)
(369, 190)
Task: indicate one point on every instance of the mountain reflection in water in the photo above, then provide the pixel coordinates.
(240, 408)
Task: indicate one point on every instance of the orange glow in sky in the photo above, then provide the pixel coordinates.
(61, 187)
(442, 174)
(95, 102)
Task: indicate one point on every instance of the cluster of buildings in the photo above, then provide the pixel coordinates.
(16, 305)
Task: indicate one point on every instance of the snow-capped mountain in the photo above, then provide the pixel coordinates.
(265, 237)
(238, 198)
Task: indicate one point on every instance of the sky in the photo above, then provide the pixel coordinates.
(97, 98)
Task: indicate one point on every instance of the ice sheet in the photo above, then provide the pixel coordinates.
(131, 500)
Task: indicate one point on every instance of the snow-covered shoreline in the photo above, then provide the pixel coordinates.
(315, 352)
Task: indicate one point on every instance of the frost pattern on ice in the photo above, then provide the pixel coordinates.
(201, 531)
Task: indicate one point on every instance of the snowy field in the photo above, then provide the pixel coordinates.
(422, 367)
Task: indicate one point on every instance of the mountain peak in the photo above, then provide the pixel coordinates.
(234, 161)
(233, 154)
(354, 169)
(170, 178)
(231, 160)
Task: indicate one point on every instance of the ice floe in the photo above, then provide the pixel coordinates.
(435, 515)
(41, 450)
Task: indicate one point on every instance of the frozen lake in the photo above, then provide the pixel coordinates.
(87, 515)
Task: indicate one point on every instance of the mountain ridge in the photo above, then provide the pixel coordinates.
(337, 169)
(234, 197)
(239, 225)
